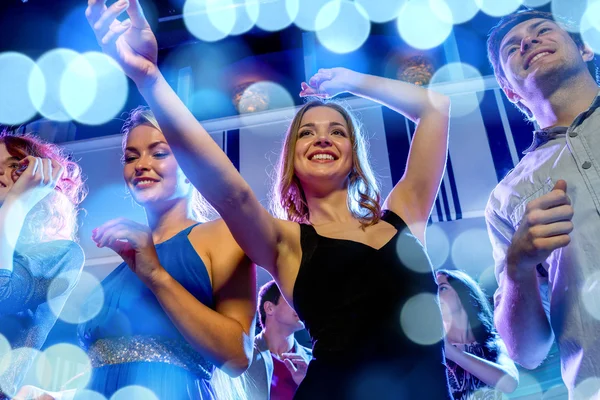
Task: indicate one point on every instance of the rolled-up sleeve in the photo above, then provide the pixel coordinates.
(501, 231)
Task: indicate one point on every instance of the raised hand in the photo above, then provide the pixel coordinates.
(329, 83)
(131, 42)
(35, 179)
(297, 366)
(133, 242)
(544, 228)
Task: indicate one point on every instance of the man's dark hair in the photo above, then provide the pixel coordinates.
(498, 32)
(268, 292)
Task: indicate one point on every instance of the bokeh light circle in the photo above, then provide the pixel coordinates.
(55, 365)
(262, 96)
(460, 10)
(48, 101)
(590, 295)
(7, 384)
(209, 20)
(382, 10)
(420, 26)
(461, 72)
(246, 16)
(497, 8)
(349, 27)
(277, 15)
(134, 392)
(556, 392)
(590, 26)
(530, 385)
(307, 14)
(438, 245)
(5, 354)
(85, 394)
(487, 281)
(421, 319)
(417, 261)
(569, 10)
(472, 251)
(93, 89)
(84, 302)
(16, 72)
(589, 389)
(535, 3)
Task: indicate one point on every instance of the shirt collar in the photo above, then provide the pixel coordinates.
(542, 136)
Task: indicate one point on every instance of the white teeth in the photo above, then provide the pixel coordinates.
(538, 56)
(322, 157)
(144, 181)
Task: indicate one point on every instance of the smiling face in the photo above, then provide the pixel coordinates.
(323, 149)
(533, 52)
(151, 172)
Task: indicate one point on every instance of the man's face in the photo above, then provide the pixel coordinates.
(534, 50)
(283, 315)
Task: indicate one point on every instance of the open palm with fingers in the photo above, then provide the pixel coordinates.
(133, 242)
(328, 83)
(131, 42)
(38, 180)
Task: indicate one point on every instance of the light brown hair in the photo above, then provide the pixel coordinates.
(288, 198)
(202, 211)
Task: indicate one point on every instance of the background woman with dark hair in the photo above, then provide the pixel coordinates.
(477, 364)
(40, 193)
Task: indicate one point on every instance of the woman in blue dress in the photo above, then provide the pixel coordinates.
(40, 193)
(183, 300)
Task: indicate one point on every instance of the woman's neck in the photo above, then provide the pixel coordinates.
(459, 330)
(329, 208)
(167, 221)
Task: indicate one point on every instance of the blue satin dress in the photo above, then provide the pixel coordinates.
(132, 341)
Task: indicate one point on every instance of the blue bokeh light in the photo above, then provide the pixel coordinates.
(460, 10)
(590, 26)
(535, 3)
(307, 14)
(46, 98)
(16, 73)
(346, 26)
(382, 10)
(209, 20)
(277, 15)
(497, 8)
(246, 16)
(570, 10)
(420, 27)
(134, 392)
(93, 88)
(472, 251)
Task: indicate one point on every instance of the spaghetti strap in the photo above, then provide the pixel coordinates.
(394, 219)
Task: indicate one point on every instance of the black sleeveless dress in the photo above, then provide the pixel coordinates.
(350, 297)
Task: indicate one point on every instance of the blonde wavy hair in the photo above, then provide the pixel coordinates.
(55, 216)
(288, 198)
(202, 211)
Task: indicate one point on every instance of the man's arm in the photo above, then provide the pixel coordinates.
(520, 315)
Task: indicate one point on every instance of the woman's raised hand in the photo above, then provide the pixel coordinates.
(35, 179)
(327, 83)
(131, 42)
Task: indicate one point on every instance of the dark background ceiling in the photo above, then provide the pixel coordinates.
(37, 26)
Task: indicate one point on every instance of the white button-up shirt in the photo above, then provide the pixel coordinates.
(569, 280)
